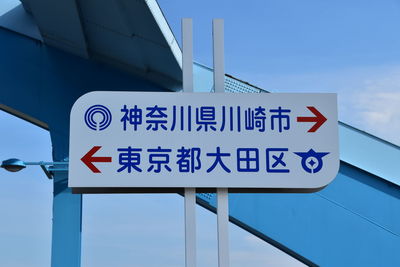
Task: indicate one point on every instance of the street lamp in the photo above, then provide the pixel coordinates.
(15, 165)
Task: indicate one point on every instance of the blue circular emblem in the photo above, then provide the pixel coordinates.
(98, 117)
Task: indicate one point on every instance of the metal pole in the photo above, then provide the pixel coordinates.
(190, 193)
(222, 193)
(67, 213)
(218, 55)
(187, 55)
(223, 227)
(190, 227)
(46, 163)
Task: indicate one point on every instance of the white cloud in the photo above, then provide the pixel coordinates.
(380, 108)
(377, 106)
(368, 96)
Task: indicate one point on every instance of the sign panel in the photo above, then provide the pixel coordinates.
(261, 142)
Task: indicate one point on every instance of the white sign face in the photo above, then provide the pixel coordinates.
(281, 142)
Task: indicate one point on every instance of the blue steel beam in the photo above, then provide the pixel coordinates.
(355, 214)
(369, 153)
(40, 85)
(67, 224)
(352, 222)
(67, 211)
(130, 35)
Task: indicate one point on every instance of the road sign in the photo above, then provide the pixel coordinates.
(244, 142)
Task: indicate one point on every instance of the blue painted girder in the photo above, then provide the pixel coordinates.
(40, 84)
(352, 222)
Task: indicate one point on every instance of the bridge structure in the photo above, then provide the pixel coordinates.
(52, 52)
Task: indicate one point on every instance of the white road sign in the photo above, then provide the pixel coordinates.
(244, 142)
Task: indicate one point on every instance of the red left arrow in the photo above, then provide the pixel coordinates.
(88, 159)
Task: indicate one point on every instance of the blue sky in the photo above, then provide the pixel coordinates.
(348, 47)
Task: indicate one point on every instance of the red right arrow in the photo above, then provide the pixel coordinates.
(319, 119)
(88, 159)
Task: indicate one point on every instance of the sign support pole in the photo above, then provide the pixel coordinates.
(190, 193)
(222, 193)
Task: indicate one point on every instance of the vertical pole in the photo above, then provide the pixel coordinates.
(67, 213)
(223, 227)
(67, 223)
(218, 55)
(222, 193)
(190, 227)
(190, 193)
(187, 55)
